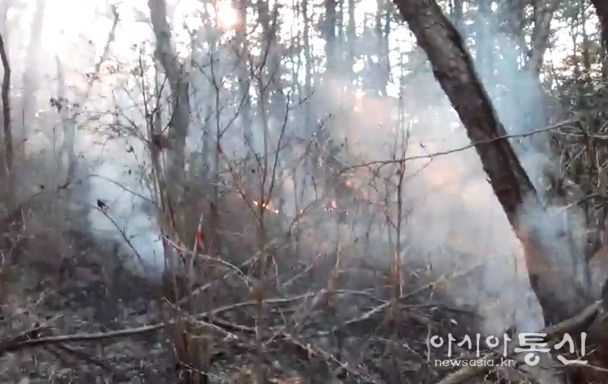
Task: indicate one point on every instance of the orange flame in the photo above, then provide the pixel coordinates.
(267, 206)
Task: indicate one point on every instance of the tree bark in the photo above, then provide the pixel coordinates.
(6, 110)
(191, 368)
(601, 8)
(179, 84)
(455, 72)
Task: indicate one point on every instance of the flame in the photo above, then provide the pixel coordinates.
(267, 206)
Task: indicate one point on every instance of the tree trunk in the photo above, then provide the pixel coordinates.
(242, 50)
(382, 30)
(3, 19)
(66, 151)
(601, 8)
(308, 63)
(6, 112)
(454, 70)
(178, 82)
(351, 39)
(329, 34)
(191, 367)
(484, 44)
(31, 75)
(540, 35)
(270, 48)
(586, 52)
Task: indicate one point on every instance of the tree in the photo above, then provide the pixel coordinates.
(31, 74)
(455, 72)
(601, 8)
(329, 34)
(6, 110)
(543, 14)
(179, 85)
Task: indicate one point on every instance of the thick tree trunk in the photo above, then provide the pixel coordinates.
(601, 8)
(191, 365)
(453, 68)
(178, 82)
(6, 112)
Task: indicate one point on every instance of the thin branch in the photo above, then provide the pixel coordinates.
(465, 147)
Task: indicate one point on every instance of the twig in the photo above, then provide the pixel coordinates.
(460, 149)
(89, 359)
(316, 351)
(578, 322)
(13, 345)
(369, 314)
(29, 339)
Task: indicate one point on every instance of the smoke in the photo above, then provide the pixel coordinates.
(452, 220)
(124, 211)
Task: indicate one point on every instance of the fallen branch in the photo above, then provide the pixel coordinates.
(30, 338)
(19, 343)
(577, 323)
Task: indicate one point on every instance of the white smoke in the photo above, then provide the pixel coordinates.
(454, 220)
(126, 215)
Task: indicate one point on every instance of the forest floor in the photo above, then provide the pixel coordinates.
(315, 335)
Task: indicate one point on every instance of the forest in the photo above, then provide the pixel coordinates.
(304, 192)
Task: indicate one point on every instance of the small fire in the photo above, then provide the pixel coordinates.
(267, 206)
